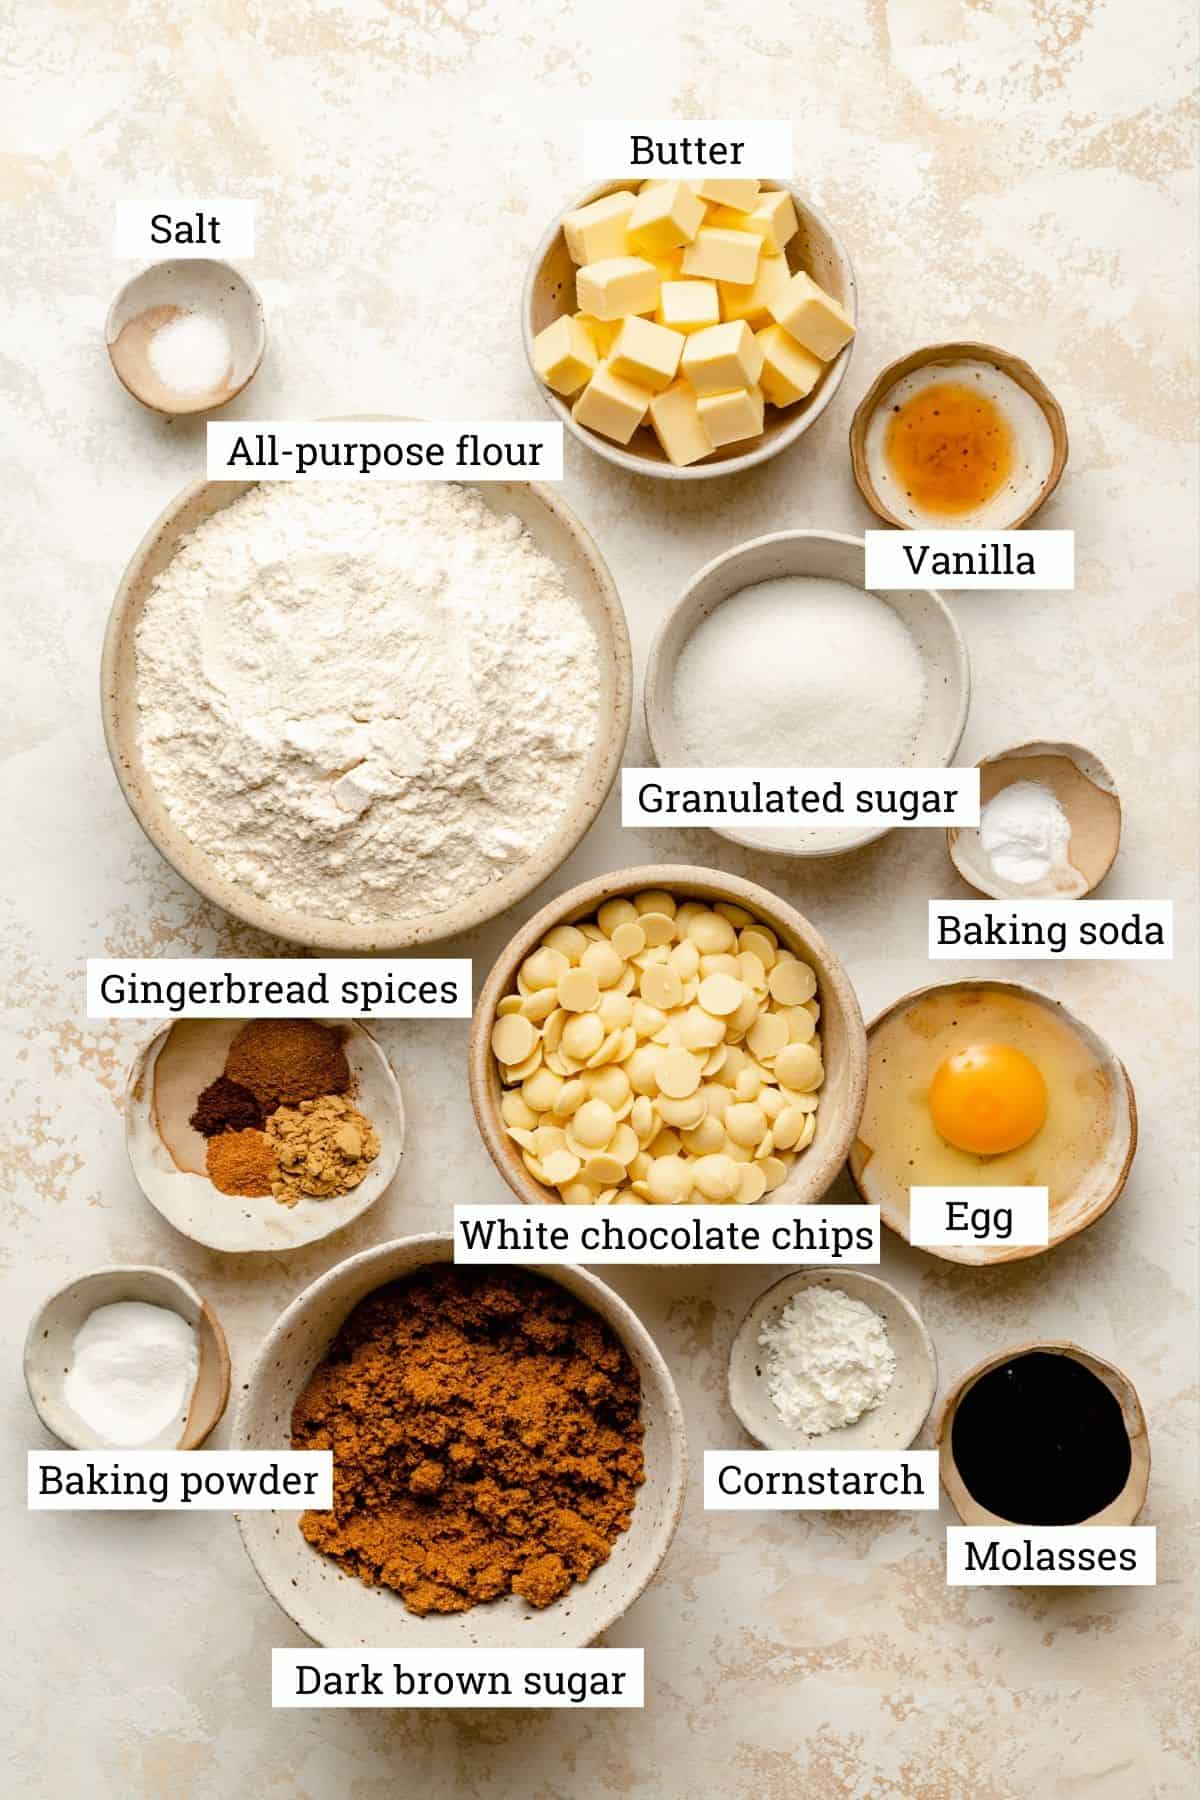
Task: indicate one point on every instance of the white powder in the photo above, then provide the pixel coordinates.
(133, 1369)
(828, 1360)
(1024, 833)
(800, 673)
(190, 354)
(365, 703)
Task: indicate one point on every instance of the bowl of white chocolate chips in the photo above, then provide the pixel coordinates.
(671, 1036)
(684, 328)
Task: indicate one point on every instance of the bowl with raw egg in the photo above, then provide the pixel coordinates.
(985, 1085)
(958, 436)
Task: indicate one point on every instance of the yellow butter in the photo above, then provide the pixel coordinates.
(688, 306)
(750, 302)
(597, 231)
(723, 357)
(601, 331)
(647, 354)
(740, 192)
(676, 424)
(611, 405)
(616, 286)
(789, 372)
(729, 417)
(564, 355)
(722, 255)
(663, 218)
(774, 220)
(813, 317)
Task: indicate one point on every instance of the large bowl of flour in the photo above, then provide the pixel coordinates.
(365, 717)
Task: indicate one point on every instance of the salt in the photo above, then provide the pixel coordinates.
(191, 354)
(133, 1369)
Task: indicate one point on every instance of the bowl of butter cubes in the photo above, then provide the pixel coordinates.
(689, 328)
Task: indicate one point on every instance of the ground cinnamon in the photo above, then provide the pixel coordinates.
(284, 1061)
(486, 1439)
(241, 1162)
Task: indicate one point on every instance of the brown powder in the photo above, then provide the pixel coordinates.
(224, 1106)
(322, 1148)
(284, 1061)
(486, 1439)
(240, 1162)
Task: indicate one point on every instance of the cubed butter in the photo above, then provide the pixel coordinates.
(718, 255)
(616, 286)
(689, 306)
(750, 303)
(676, 423)
(723, 357)
(564, 355)
(741, 193)
(774, 220)
(663, 218)
(601, 331)
(789, 371)
(669, 264)
(812, 317)
(646, 354)
(596, 232)
(611, 405)
(729, 417)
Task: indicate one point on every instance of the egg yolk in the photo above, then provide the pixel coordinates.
(987, 1099)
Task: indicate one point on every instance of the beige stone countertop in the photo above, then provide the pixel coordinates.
(1014, 173)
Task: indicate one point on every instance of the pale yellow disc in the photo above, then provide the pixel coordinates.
(745, 1123)
(578, 990)
(716, 1177)
(545, 968)
(570, 1097)
(656, 901)
(561, 1166)
(568, 940)
(629, 939)
(624, 1145)
(537, 1006)
(685, 1114)
(513, 1039)
(614, 913)
(752, 1184)
(768, 1034)
(602, 1169)
(788, 1127)
(659, 928)
(721, 994)
(662, 987)
(669, 1180)
(509, 1003)
(755, 940)
(791, 983)
(610, 1084)
(711, 933)
(798, 1066)
(542, 1089)
(583, 1034)
(602, 961)
(705, 1137)
(514, 1110)
(594, 1124)
(678, 1074)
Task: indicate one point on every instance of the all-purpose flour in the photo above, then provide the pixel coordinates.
(365, 702)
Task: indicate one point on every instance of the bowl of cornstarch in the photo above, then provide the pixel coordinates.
(362, 717)
(832, 1359)
(778, 658)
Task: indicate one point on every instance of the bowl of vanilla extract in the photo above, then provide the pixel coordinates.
(1044, 1434)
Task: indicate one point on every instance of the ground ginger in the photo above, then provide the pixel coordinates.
(486, 1436)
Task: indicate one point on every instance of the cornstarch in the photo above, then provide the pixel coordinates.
(362, 702)
(828, 1360)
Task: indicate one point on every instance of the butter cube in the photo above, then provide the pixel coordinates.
(723, 357)
(750, 303)
(728, 417)
(597, 231)
(663, 218)
(617, 285)
(812, 317)
(789, 371)
(676, 423)
(722, 255)
(669, 264)
(564, 355)
(646, 354)
(601, 331)
(730, 191)
(774, 220)
(688, 306)
(611, 405)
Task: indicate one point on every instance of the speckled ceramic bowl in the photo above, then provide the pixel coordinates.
(173, 289)
(336, 1609)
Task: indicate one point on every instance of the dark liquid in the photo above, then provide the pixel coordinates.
(1041, 1441)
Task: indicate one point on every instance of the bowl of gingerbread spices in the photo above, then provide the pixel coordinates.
(262, 1134)
(509, 1456)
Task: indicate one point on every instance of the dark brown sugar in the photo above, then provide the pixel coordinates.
(486, 1436)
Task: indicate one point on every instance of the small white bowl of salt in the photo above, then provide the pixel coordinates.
(186, 337)
(128, 1357)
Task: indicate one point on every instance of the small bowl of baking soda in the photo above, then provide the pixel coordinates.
(186, 337)
(831, 1359)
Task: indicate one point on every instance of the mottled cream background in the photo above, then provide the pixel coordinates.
(1020, 173)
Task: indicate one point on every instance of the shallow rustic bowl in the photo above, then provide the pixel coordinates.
(337, 1609)
(1087, 793)
(834, 556)
(185, 1196)
(215, 290)
(1128, 1503)
(893, 1424)
(1109, 1171)
(52, 1332)
(842, 1093)
(1012, 366)
(550, 291)
(559, 534)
